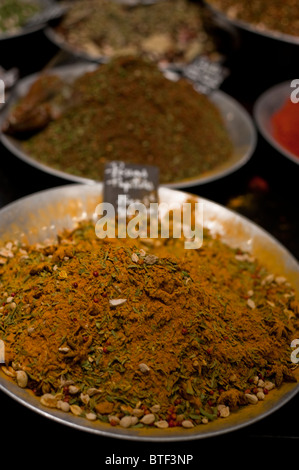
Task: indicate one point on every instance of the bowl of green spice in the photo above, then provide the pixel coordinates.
(74, 119)
(20, 17)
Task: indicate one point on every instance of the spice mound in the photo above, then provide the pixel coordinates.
(166, 30)
(123, 332)
(266, 15)
(124, 110)
(15, 13)
(285, 124)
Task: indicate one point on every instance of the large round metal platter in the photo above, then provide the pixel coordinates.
(266, 105)
(60, 41)
(238, 122)
(42, 215)
(252, 28)
(37, 25)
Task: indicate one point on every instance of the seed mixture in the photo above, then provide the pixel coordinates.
(125, 110)
(166, 30)
(140, 333)
(15, 13)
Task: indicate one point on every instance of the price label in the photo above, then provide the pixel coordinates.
(205, 75)
(139, 183)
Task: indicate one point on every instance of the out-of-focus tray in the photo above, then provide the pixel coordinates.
(254, 29)
(42, 215)
(38, 25)
(238, 122)
(266, 105)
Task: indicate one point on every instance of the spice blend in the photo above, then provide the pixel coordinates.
(124, 110)
(267, 15)
(285, 125)
(142, 332)
(15, 13)
(166, 30)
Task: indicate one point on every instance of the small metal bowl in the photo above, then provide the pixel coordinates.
(266, 105)
(42, 215)
(251, 28)
(31, 28)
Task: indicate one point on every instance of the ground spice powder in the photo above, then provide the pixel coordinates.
(126, 110)
(285, 125)
(125, 332)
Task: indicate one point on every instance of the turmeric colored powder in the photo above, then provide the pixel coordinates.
(127, 333)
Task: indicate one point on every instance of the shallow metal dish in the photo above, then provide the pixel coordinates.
(30, 29)
(266, 105)
(238, 122)
(41, 215)
(254, 29)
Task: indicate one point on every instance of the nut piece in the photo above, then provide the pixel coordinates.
(114, 420)
(223, 411)
(260, 395)
(155, 408)
(251, 303)
(91, 416)
(148, 419)
(126, 421)
(73, 389)
(117, 302)
(151, 259)
(135, 258)
(8, 371)
(138, 412)
(49, 400)
(144, 368)
(269, 385)
(252, 399)
(84, 397)
(22, 378)
(187, 424)
(63, 405)
(76, 410)
(163, 424)
(93, 391)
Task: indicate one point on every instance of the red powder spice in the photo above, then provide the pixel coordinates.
(285, 125)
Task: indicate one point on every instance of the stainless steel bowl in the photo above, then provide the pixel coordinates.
(24, 31)
(41, 215)
(238, 122)
(266, 105)
(254, 29)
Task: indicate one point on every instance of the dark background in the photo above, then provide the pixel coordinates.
(265, 190)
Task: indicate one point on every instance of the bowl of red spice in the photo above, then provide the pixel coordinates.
(277, 116)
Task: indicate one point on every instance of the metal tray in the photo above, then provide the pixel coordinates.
(244, 25)
(238, 122)
(266, 105)
(38, 25)
(43, 214)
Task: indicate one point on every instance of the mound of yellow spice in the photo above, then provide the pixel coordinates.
(120, 332)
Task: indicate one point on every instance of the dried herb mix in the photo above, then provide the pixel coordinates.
(127, 333)
(171, 30)
(269, 15)
(125, 110)
(14, 14)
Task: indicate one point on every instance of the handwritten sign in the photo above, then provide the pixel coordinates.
(139, 183)
(205, 74)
